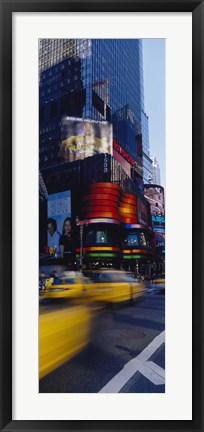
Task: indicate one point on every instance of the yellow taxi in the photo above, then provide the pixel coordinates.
(159, 282)
(114, 286)
(64, 330)
(68, 285)
(107, 286)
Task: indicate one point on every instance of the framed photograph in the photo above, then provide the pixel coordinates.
(101, 215)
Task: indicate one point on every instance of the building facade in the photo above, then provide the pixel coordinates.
(117, 230)
(98, 79)
(154, 193)
(96, 85)
(156, 178)
(147, 162)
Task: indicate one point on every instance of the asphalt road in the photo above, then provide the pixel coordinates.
(126, 353)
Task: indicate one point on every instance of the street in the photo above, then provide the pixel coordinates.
(126, 352)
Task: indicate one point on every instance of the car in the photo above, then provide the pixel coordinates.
(67, 285)
(64, 330)
(157, 283)
(114, 286)
(159, 279)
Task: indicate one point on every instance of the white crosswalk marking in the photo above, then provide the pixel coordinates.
(141, 364)
(153, 373)
(156, 368)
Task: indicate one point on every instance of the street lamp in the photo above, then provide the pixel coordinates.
(81, 224)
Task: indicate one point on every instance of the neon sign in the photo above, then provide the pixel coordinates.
(122, 152)
(158, 219)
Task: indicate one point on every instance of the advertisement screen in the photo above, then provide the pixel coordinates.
(158, 220)
(59, 224)
(84, 138)
(155, 196)
(160, 242)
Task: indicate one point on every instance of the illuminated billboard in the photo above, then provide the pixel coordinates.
(160, 241)
(59, 224)
(83, 138)
(155, 196)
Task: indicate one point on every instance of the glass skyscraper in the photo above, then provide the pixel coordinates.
(117, 75)
(98, 79)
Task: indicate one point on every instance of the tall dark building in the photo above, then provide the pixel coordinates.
(98, 79)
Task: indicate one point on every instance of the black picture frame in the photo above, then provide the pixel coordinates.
(7, 8)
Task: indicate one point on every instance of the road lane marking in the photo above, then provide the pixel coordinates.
(130, 368)
(156, 368)
(151, 373)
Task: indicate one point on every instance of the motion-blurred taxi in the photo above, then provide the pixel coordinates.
(159, 279)
(113, 286)
(67, 285)
(159, 282)
(64, 330)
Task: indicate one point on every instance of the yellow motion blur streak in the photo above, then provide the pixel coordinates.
(62, 334)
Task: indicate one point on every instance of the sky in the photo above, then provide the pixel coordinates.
(154, 97)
